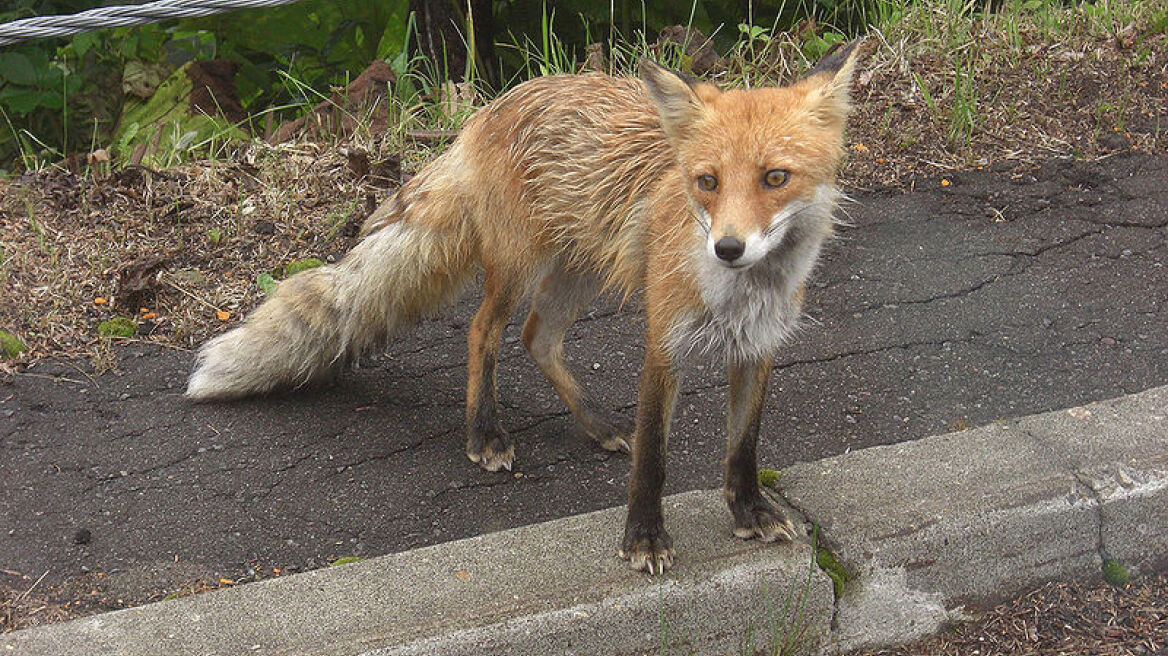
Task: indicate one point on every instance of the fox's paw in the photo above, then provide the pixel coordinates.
(618, 443)
(647, 549)
(759, 519)
(612, 434)
(492, 450)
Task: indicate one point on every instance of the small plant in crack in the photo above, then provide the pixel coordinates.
(1115, 573)
(834, 570)
(768, 478)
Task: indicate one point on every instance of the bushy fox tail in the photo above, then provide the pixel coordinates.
(416, 260)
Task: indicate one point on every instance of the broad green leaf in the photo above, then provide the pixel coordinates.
(266, 282)
(84, 42)
(23, 101)
(18, 68)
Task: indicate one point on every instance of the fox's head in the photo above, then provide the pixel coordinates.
(754, 160)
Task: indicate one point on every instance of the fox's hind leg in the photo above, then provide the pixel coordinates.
(487, 443)
(754, 516)
(562, 296)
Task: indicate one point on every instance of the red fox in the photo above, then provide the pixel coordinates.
(714, 203)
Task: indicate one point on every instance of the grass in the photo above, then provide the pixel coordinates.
(11, 346)
(787, 626)
(943, 87)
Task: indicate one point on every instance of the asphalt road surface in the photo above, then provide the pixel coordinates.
(1002, 293)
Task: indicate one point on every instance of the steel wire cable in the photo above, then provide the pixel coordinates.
(40, 27)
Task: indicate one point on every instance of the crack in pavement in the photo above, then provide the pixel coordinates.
(980, 354)
(690, 391)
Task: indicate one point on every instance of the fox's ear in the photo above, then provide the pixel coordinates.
(676, 99)
(829, 83)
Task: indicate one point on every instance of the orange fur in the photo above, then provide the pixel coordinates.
(714, 203)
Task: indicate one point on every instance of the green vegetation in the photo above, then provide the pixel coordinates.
(10, 345)
(768, 478)
(834, 570)
(1115, 573)
(114, 89)
(215, 235)
(296, 267)
(266, 282)
(346, 560)
(117, 327)
(104, 89)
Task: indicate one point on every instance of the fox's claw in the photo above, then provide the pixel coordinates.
(654, 563)
(765, 522)
(491, 461)
(616, 443)
(491, 449)
(611, 433)
(647, 548)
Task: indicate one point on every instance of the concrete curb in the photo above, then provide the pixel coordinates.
(923, 528)
(978, 516)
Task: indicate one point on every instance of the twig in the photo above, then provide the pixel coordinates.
(947, 167)
(431, 136)
(49, 377)
(192, 295)
(91, 378)
(24, 594)
(175, 347)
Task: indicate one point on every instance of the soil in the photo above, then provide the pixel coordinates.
(1059, 619)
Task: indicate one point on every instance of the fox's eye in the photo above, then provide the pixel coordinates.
(707, 182)
(775, 178)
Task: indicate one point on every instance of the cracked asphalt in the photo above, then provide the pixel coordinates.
(1002, 293)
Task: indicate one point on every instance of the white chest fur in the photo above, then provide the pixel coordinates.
(749, 314)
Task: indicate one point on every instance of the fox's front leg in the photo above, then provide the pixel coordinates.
(754, 516)
(646, 543)
(487, 443)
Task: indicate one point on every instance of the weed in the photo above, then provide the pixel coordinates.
(550, 56)
(266, 282)
(963, 120)
(117, 327)
(1115, 573)
(925, 93)
(102, 356)
(831, 566)
(786, 631)
(296, 267)
(346, 560)
(10, 345)
(339, 217)
(768, 478)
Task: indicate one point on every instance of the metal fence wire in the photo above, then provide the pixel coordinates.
(40, 27)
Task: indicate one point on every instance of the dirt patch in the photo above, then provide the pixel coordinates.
(208, 229)
(361, 105)
(921, 110)
(27, 602)
(213, 89)
(1058, 619)
(177, 251)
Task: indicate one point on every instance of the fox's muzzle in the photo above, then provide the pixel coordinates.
(729, 248)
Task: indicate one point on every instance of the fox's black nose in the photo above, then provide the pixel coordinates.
(729, 248)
